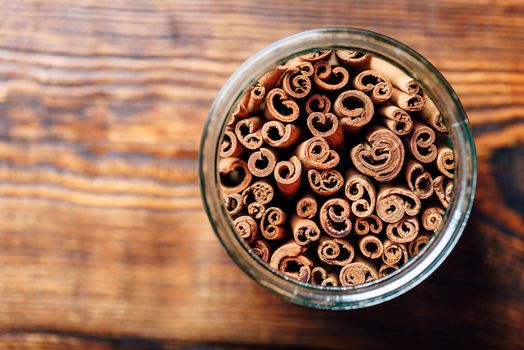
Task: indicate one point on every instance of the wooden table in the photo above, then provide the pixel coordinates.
(104, 243)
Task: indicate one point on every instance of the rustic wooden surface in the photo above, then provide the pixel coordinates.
(103, 240)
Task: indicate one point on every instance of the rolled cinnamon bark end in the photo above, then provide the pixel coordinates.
(371, 247)
(239, 112)
(403, 231)
(410, 103)
(396, 119)
(280, 107)
(432, 218)
(326, 125)
(356, 273)
(443, 189)
(325, 183)
(295, 83)
(419, 181)
(335, 251)
(307, 207)
(262, 162)
(381, 157)
(394, 253)
(256, 210)
(246, 227)
(446, 161)
(254, 98)
(354, 109)
(272, 224)
(315, 154)
(315, 56)
(260, 191)
(353, 59)
(318, 275)
(375, 84)
(287, 175)
(385, 270)
(418, 244)
(393, 202)
(433, 117)
(233, 203)
(370, 224)
(229, 146)
(280, 135)
(318, 103)
(305, 231)
(271, 78)
(329, 78)
(288, 260)
(398, 78)
(234, 175)
(361, 192)
(334, 217)
(422, 143)
(248, 132)
(261, 248)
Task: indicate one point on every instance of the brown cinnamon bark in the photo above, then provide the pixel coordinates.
(320, 276)
(385, 270)
(315, 154)
(326, 125)
(325, 183)
(280, 107)
(381, 157)
(246, 227)
(260, 191)
(318, 103)
(316, 56)
(407, 102)
(396, 119)
(393, 202)
(296, 82)
(403, 231)
(335, 251)
(271, 78)
(272, 224)
(248, 132)
(372, 224)
(352, 58)
(354, 109)
(371, 247)
(421, 143)
(287, 176)
(432, 116)
(253, 98)
(256, 210)
(394, 253)
(239, 112)
(230, 147)
(446, 161)
(329, 78)
(300, 268)
(305, 231)
(432, 218)
(361, 192)
(334, 217)
(233, 203)
(444, 189)
(375, 84)
(398, 77)
(262, 162)
(419, 181)
(280, 135)
(307, 207)
(261, 248)
(357, 272)
(234, 175)
(418, 244)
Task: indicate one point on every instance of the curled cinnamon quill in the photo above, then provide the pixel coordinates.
(372, 224)
(446, 161)
(335, 251)
(325, 183)
(315, 154)
(295, 81)
(329, 78)
(272, 223)
(233, 203)
(407, 102)
(260, 191)
(385, 270)
(246, 227)
(443, 189)
(394, 253)
(262, 162)
(321, 277)
(248, 132)
(326, 125)
(395, 202)
(357, 272)
(398, 78)
(418, 244)
(361, 192)
(289, 260)
(354, 109)
(334, 217)
(239, 112)
(254, 98)
(280, 107)
(396, 119)
(371, 247)
(261, 248)
(280, 135)
(374, 83)
(403, 231)
(256, 210)
(432, 218)
(421, 143)
(234, 175)
(305, 231)
(230, 147)
(316, 56)
(432, 116)
(419, 180)
(353, 58)
(318, 103)
(287, 176)
(307, 207)
(271, 78)
(381, 157)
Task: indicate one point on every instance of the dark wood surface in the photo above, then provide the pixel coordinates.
(104, 243)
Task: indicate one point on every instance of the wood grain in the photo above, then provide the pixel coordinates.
(103, 240)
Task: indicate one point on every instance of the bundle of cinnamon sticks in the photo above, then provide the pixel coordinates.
(335, 168)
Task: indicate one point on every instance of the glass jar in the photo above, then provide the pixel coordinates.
(434, 85)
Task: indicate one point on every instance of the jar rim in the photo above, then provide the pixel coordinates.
(435, 86)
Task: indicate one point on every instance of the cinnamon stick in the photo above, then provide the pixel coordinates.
(393, 202)
(443, 189)
(385, 270)
(260, 191)
(371, 247)
(326, 125)
(369, 224)
(334, 217)
(398, 78)
(256, 210)
(354, 109)
(272, 224)
(280, 135)
(431, 115)
(246, 227)
(261, 248)
(233, 203)
(248, 132)
(407, 102)
(394, 253)
(357, 272)
(375, 84)
(234, 175)
(403, 231)
(300, 269)
(329, 78)
(325, 183)
(318, 103)
(432, 218)
(353, 58)
(306, 207)
(321, 277)
(446, 161)
(296, 83)
(421, 143)
(230, 147)
(287, 176)
(419, 181)
(316, 56)
(361, 192)
(335, 251)
(418, 244)
(305, 231)
(396, 119)
(280, 107)
(315, 154)
(262, 162)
